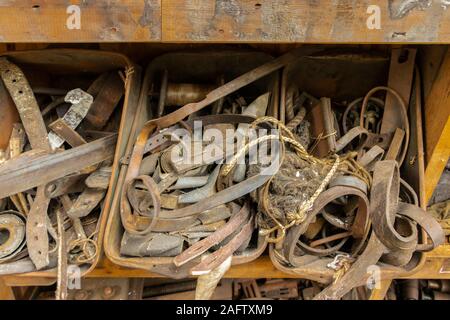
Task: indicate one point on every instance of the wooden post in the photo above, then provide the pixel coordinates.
(437, 127)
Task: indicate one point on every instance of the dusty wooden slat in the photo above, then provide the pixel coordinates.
(401, 73)
(340, 21)
(6, 292)
(100, 21)
(379, 292)
(17, 281)
(437, 127)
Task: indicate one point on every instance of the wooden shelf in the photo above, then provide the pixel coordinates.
(437, 266)
(239, 21)
(34, 23)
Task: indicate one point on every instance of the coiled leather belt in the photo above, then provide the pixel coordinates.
(394, 235)
(358, 230)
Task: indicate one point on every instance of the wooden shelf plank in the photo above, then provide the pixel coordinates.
(242, 21)
(437, 266)
(100, 21)
(320, 21)
(437, 127)
(6, 292)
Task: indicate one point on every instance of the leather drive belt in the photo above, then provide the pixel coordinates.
(129, 221)
(385, 242)
(358, 230)
(198, 248)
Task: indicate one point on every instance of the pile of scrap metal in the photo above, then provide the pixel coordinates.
(422, 289)
(57, 150)
(358, 215)
(286, 289)
(329, 200)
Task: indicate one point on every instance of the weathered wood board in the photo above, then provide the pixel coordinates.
(80, 21)
(338, 21)
(437, 127)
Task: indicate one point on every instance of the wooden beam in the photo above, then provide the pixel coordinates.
(100, 21)
(380, 292)
(437, 127)
(6, 292)
(342, 21)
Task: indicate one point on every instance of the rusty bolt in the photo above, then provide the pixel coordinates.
(81, 295)
(108, 292)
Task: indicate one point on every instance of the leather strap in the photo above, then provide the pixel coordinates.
(218, 236)
(140, 224)
(30, 114)
(183, 112)
(359, 227)
(384, 208)
(218, 257)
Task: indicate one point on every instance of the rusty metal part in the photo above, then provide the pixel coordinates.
(329, 132)
(148, 164)
(52, 105)
(16, 144)
(106, 289)
(31, 169)
(203, 192)
(250, 289)
(163, 93)
(87, 201)
(218, 236)
(217, 106)
(402, 115)
(178, 94)
(154, 244)
(385, 239)
(438, 285)
(107, 96)
(17, 140)
(396, 145)
(437, 295)
(369, 158)
(349, 181)
(215, 214)
(28, 108)
(66, 133)
(69, 184)
(409, 289)
(352, 105)
(12, 234)
(36, 230)
(81, 102)
(99, 179)
(359, 226)
(279, 289)
(219, 256)
(189, 182)
(133, 223)
(168, 288)
(79, 229)
(23, 97)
